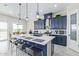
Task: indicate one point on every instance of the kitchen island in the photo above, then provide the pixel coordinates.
(44, 43)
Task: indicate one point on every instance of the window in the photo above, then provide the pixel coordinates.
(17, 28)
(3, 31)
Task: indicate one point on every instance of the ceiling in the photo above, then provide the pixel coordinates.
(13, 8)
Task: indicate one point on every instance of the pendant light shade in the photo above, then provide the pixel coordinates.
(37, 14)
(26, 11)
(26, 18)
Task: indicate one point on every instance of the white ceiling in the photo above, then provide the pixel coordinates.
(13, 8)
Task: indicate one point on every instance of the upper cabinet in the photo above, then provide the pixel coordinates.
(54, 23)
(49, 22)
(64, 22)
(59, 22)
(39, 24)
(35, 25)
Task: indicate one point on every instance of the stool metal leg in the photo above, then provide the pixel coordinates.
(16, 50)
(42, 53)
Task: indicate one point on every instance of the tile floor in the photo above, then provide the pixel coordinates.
(64, 51)
(3, 48)
(58, 50)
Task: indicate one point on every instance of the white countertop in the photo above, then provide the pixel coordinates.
(60, 34)
(44, 37)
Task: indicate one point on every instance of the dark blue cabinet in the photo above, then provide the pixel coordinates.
(55, 23)
(35, 25)
(60, 40)
(52, 23)
(55, 40)
(39, 24)
(64, 22)
(39, 50)
(59, 22)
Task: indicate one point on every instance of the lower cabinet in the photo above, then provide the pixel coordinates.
(60, 40)
(37, 49)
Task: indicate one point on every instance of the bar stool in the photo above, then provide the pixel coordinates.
(11, 50)
(18, 44)
(37, 51)
(34, 51)
(52, 49)
(21, 45)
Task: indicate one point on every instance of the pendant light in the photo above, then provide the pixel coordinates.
(19, 21)
(26, 11)
(37, 14)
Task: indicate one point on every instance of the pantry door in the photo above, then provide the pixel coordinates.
(72, 30)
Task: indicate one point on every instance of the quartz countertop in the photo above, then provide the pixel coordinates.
(45, 38)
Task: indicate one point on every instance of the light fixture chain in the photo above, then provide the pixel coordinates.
(38, 8)
(26, 9)
(19, 11)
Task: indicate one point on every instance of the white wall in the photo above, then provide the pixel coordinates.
(62, 13)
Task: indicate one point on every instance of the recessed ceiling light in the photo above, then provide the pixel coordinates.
(55, 5)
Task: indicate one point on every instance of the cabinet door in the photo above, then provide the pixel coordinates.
(56, 40)
(59, 40)
(40, 24)
(60, 23)
(62, 40)
(64, 22)
(52, 23)
(35, 25)
(65, 40)
(55, 24)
